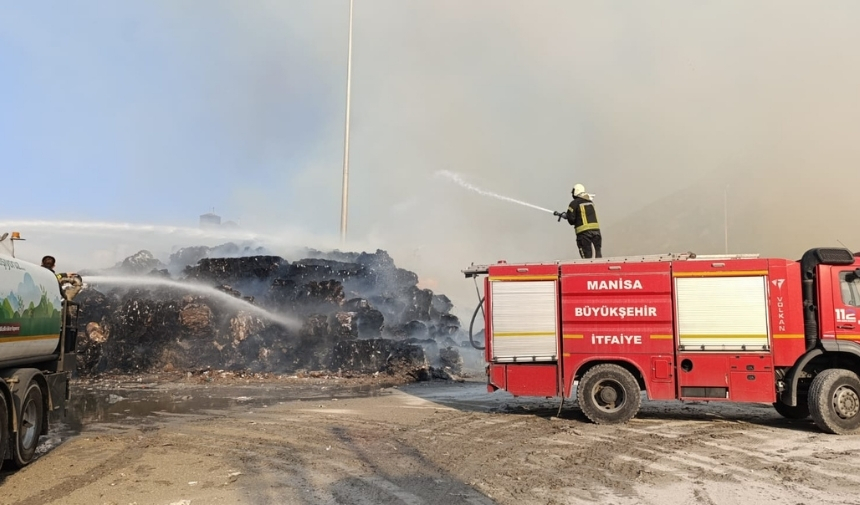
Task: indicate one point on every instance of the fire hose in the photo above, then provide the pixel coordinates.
(472, 324)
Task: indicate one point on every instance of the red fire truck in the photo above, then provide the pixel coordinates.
(716, 328)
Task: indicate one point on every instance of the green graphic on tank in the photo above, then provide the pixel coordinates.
(27, 310)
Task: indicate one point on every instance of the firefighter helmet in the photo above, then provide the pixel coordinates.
(578, 189)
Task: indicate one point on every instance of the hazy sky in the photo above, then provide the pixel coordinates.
(154, 112)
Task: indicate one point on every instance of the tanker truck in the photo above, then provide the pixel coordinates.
(38, 334)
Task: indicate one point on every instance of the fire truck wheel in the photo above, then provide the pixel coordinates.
(799, 411)
(834, 401)
(29, 425)
(608, 394)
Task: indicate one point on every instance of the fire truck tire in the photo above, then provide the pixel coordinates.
(799, 411)
(608, 394)
(30, 415)
(834, 401)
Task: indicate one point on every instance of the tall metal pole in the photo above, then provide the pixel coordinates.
(726, 215)
(345, 199)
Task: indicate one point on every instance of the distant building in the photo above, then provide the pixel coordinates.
(210, 220)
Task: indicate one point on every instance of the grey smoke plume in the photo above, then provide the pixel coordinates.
(655, 106)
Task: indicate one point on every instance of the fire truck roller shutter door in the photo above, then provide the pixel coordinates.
(525, 321)
(722, 313)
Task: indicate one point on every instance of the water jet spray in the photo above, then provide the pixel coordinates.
(225, 298)
(459, 180)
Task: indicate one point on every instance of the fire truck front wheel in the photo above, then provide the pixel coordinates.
(834, 401)
(608, 394)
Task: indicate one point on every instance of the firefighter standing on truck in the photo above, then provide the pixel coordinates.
(583, 217)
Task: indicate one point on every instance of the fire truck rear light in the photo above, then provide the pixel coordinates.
(522, 270)
(718, 265)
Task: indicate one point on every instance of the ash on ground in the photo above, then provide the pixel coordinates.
(355, 314)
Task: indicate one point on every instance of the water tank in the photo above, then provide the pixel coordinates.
(30, 311)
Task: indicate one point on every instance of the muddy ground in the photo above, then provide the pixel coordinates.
(356, 441)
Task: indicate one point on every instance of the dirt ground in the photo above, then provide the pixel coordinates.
(327, 441)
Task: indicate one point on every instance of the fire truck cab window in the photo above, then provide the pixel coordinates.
(849, 284)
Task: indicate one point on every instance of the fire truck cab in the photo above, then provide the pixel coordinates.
(717, 328)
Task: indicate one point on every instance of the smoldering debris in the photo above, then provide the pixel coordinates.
(355, 313)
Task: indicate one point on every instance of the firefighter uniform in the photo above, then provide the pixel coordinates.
(583, 217)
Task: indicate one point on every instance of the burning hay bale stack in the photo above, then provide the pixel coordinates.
(349, 313)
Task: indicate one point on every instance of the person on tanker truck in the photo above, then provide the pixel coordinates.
(50, 262)
(582, 215)
(70, 283)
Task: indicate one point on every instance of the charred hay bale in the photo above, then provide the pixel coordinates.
(430, 346)
(342, 325)
(189, 354)
(265, 351)
(369, 323)
(314, 329)
(440, 305)
(94, 325)
(405, 305)
(449, 320)
(94, 306)
(189, 256)
(450, 360)
(318, 270)
(379, 355)
(138, 338)
(368, 320)
(319, 296)
(244, 325)
(233, 270)
(314, 343)
(447, 327)
(90, 348)
(415, 329)
(391, 306)
(356, 305)
(407, 360)
(380, 258)
(196, 319)
(417, 304)
(282, 293)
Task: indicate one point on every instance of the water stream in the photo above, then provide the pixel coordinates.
(453, 177)
(225, 298)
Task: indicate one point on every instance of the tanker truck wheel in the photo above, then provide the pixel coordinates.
(30, 415)
(4, 427)
(834, 401)
(608, 394)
